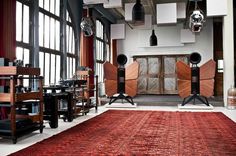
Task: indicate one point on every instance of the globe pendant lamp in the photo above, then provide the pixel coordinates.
(153, 39)
(138, 13)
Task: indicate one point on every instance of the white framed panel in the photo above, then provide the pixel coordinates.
(95, 1)
(186, 36)
(166, 13)
(117, 31)
(181, 10)
(128, 11)
(216, 7)
(113, 4)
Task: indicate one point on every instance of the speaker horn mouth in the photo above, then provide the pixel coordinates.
(195, 58)
(121, 59)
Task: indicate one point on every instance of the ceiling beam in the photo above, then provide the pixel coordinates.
(105, 13)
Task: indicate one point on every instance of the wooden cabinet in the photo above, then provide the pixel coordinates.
(16, 125)
(157, 73)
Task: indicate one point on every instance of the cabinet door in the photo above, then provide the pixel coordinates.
(157, 74)
(142, 78)
(169, 75)
(154, 73)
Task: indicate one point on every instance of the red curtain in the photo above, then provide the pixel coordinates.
(114, 52)
(8, 29)
(7, 35)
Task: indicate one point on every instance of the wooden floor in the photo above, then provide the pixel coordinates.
(166, 100)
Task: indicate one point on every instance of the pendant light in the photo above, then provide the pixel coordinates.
(153, 39)
(138, 13)
(87, 25)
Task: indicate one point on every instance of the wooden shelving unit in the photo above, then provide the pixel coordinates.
(90, 89)
(14, 99)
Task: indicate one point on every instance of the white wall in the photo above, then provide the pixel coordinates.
(136, 42)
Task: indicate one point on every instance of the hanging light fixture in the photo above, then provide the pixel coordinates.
(87, 25)
(153, 39)
(196, 19)
(138, 13)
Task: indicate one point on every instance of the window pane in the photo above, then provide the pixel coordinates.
(46, 5)
(19, 53)
(47, 69)
(46, 33)
(26, 24)
(52, 6)
(52, 69)
(18, 21)
(26, 56)
(58, 69)
(71, 68)
(73, 43)
(67, 38)
(107, 52)
(68, 67)
(41, 27)
(41, 62)
(52, 37)
(57, 5)
(70, 37)
(41, 3)
(57, 35)
(26, 61)
(74, 66)
(67, 15)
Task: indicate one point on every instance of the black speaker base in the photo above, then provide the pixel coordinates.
(121, 96)
(194, 97)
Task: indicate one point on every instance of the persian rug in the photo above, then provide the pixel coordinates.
(126, 132)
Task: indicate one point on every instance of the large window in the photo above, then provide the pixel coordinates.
(23, 45)
(70, 47)
(22, 32)
(49, 40)
(102, 48)
(50, 48)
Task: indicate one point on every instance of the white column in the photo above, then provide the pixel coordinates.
(228, 49)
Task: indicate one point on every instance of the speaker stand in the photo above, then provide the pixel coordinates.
(121, 96)
(193, 97)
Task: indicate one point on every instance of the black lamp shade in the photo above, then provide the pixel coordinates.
(138, 13)
(153, 39)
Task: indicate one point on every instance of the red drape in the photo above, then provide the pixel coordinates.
(7, 35)
(8, 29)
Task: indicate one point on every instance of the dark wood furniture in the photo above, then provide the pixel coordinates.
(53, 108)
(87, 96)
(157, 73)
(18, 125)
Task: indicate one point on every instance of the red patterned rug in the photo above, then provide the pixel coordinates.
(117, 132)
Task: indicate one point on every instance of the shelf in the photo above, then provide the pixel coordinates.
(14, 70)
(18, 124)
(163, 46)
(5, 104)
(27, 96)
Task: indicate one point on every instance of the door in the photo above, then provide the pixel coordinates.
(218, 57)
